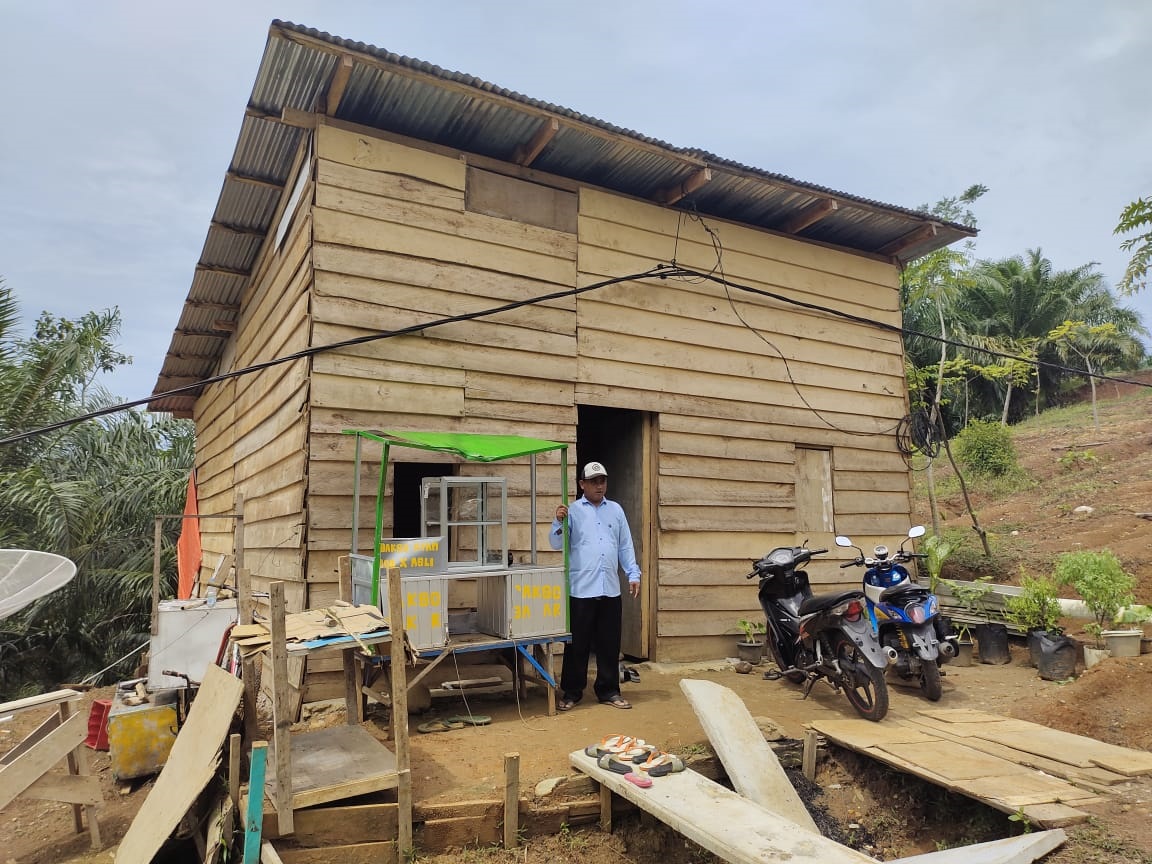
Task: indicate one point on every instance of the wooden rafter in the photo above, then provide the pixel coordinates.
(175, 380)
(176, 355)
(255, 181)
(340, 76)
(208, 304)
(526, 154)
(212, 334)
(299, 119)
(677, 191)
(810, 215)
(224, 325)
(226, 271)
(916, 235)
(236, 229)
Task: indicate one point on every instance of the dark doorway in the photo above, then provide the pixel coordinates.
(621, 439)
(406, 494)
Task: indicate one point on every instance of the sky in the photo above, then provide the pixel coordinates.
(120, 118)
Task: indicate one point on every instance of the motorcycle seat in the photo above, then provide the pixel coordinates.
(911, 589)
(820, 602)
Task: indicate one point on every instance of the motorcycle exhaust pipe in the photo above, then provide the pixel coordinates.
(891, 654)
(948, 648)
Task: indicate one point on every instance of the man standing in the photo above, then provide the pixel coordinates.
(599, 541)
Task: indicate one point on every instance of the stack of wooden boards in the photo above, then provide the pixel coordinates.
(764, 818)
(1012, 765)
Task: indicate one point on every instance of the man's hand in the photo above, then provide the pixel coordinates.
(561, 512)
(634, 589)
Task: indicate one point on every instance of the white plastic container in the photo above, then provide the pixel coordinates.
(1123, 643)
(187, 639)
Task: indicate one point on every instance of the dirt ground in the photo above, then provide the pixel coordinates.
(1110, 702)
(884, 812)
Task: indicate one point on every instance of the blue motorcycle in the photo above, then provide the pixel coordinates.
(904, 615)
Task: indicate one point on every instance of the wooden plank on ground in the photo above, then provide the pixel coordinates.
(1054, 815)
(1011, 850)
(751, 764)
(952, 760)
(1092, 778)
(723, 822)
(871, 734)
(1075, 749)
(191, 764)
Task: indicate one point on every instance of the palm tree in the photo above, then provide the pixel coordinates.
(89, 492)
(1018, 302)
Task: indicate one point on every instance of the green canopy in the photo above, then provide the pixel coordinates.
(475, 448)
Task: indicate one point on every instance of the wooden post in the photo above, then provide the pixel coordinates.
(234, 769)
(605, 808)
(811, 744)
(398, 679)
(78, 765)
(243, 583)
(157, 539)
(281, 737)
(511, 800)
(254, 813)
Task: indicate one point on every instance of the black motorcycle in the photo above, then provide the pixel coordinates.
(820, 637)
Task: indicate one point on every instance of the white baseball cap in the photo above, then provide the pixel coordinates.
(593, 469)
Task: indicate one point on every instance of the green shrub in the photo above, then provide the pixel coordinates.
(986, 448)
(1100, 580)
(1036, 606)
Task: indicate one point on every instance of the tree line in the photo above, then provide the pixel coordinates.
(89, 492)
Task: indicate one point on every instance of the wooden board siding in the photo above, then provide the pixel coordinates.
(733, 414)
(395, 246)
(252, 431)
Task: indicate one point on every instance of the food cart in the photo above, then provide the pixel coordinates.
(464, 535)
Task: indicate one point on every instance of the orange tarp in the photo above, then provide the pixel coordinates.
(188, 551)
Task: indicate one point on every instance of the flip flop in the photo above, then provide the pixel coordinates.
(565, 705)
(659, 764)
(609, 744)
(616, 702)
(611, 762)
(638, 780)
(439, 726)
(471, 719)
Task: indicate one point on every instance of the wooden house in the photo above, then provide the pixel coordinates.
(372, 193)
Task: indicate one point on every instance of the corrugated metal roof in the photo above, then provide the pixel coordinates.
(419, 100)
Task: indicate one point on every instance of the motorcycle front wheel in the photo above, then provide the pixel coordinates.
(930, 680)
(863, 683)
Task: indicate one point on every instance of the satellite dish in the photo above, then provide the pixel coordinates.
(26, 576)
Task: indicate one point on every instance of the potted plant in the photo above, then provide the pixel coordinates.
(1100, 580)
(1036, 611)
(751, 648)
(992, 637)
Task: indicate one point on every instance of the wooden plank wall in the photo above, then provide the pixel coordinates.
(252, 430)
(730, 419)
(395, 246)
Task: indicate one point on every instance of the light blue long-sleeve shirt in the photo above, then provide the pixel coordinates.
(599, 540)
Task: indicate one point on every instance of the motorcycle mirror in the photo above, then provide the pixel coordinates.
(916, 531)
(841, 540)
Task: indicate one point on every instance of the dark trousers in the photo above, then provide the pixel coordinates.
(595, 624)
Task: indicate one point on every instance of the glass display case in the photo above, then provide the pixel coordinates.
(472, 514)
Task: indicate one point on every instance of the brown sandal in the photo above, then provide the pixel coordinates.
(616, 702)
